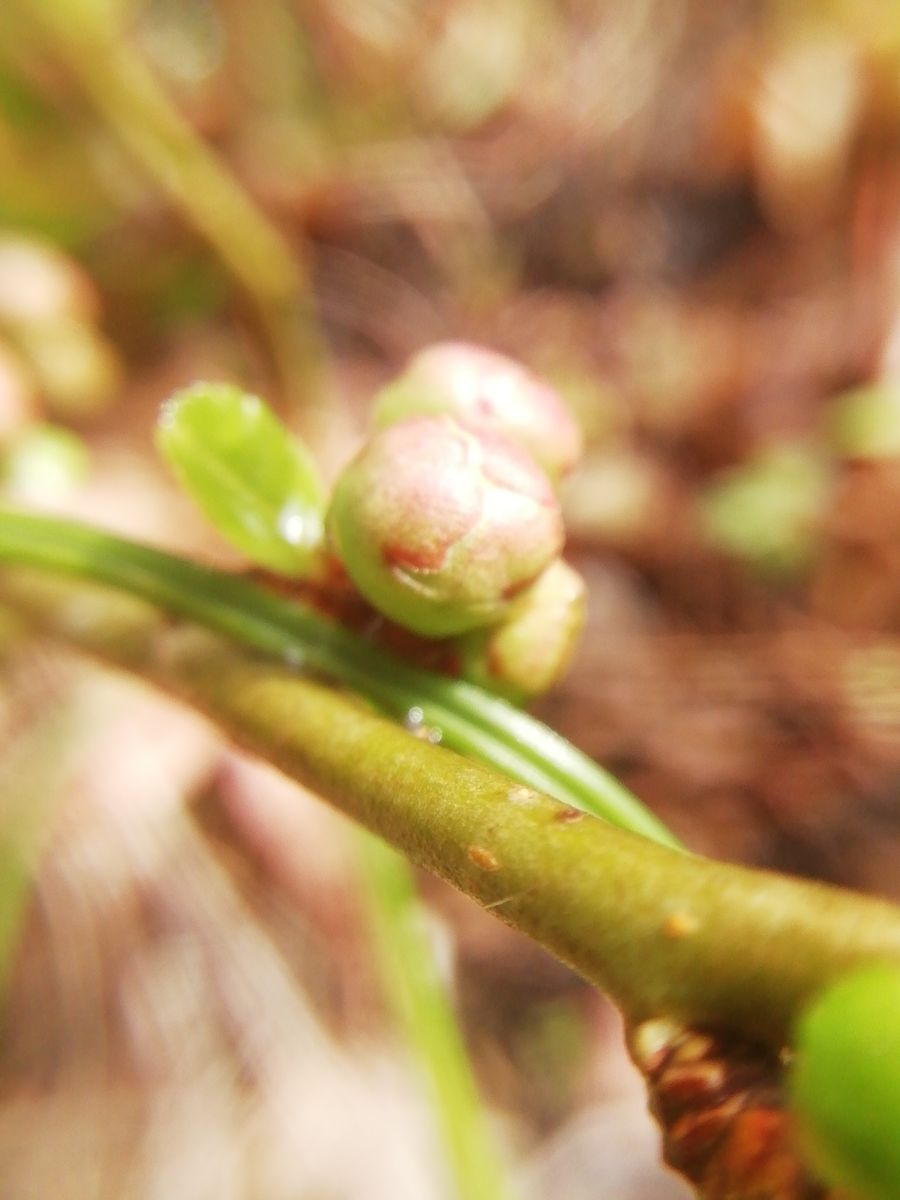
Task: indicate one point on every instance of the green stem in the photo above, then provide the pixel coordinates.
(424, 1013)
(468, 720)
(664, 932)
(417, 995)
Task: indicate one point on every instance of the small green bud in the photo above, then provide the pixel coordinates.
(845, 1082)
(865, 422)
(766, 511)
(488, 391)
(76, 368)
(439, 526)
(529, 651)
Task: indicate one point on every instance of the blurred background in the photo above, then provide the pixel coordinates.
(687, 216)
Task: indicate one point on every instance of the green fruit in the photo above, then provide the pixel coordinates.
(845, 1083)
(439, 526)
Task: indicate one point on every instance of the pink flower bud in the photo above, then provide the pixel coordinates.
(439, 526)
(488, 392)
(529, 651)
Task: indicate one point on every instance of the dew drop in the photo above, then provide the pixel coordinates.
(414, 717)
(297, 525)
(293, 658)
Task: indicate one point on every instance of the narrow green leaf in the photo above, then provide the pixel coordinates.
(254, 481)
(424, 1012)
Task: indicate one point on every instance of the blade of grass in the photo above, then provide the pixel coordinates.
(754, 948)
(136, 108)
(424, 1014)
(29, 788)
(468, 720)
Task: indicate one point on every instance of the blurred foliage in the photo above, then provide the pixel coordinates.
(765, 511)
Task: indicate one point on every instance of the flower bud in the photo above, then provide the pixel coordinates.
(529, 651)
(488, 392)
(76, 368)
(38, 283)
(439, 526)
(48, 308)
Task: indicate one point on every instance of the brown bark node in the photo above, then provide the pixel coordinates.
(720, 1103)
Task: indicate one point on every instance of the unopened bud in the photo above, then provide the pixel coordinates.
(488, 391)
(439, 526)
(39, 283)
(76, 368)
(530, 649)
(48, 309)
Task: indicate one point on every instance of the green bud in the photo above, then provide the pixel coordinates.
(439, 526)
(76, 368)
(529, 651)
(766, 511)
(845, 1083)
(488, 392)
(865, 423)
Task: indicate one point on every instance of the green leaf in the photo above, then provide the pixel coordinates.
(845, 1083)
(254, 481)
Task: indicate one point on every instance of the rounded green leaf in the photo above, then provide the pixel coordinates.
(255, 482)
(845, 1083)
